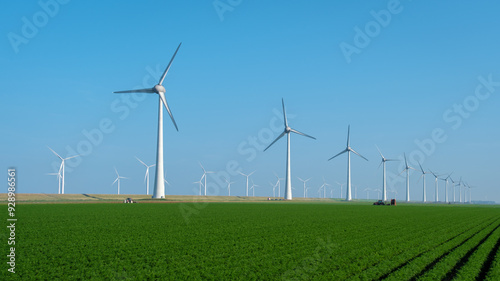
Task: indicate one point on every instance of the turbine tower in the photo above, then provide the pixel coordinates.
(304, 181)
(146, 176)
(287, 131)
(159, 191)
(247, 178)
(348, 149)
(118, 177)
(384, 184)
(58, 174)
(407, 169)
(423, 180)
(61, 168)
(436, 176)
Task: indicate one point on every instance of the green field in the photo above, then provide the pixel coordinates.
(255, 241)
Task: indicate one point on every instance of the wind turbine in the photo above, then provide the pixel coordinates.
(324, 185)
(453, 186)
(200, 182)
(304, 181)
(146, 176)
(341, 185)
(247, 178)
(228, 186)
(423, 180)
(59, 177)
(205, 176)
(446, 187)
(159, 191)
(61, 168)
(436, 176)
(348, 149)
(407, 169)
(274, 188)
(384, 185)
(253, 188)
(367, 190)
(118, 177)
(278, 182)
(287, 131)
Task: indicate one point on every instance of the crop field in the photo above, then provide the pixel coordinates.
(255, 241)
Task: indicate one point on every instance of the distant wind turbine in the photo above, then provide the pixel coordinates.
(59, 177)
(384, 185)
(324, 185)
(423, 180)
(278, 182)
(205, 172)
(253, 188)
(341, 185)
(118, 177)
(247, 178)
(228, 186)
(304, 181)
(61, 168)
(287, 131)
(146, 176)
(407, 169)
(446, 187)
(200, 182)
(348, 149)
(159, 191)
(436, 176)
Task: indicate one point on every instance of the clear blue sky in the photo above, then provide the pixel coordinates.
(399, 79)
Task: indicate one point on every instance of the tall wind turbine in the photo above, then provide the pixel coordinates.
(278, 183)
(118, 177)
(407, 169)
(146, 176)
(436, 176)
(384, 185)
(446, 187)
(159, 191)
(287, 131)
(247, 178)
(423, 180)
(348, 149)
(304, 181)
(61, 168)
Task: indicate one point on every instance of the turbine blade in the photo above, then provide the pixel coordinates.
(422, 169)
(115, 181)
(358, 154)
(380, 152)
(162, 97)
(305, 135)
(343, 151)
(279, 137)
(168, 66)
(149, 91)
(55, 153)
(406, 162)
(348, 134)
(141, 161)
(251, 173)
(71, 157)
(284, 113)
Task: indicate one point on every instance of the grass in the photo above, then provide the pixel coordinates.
(255, 241)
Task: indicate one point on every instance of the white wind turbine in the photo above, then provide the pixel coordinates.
(253, 188)
(200, 182)
(247, 178)
(423, 180)
(274, 188)
(384, 184)
(278, 183)
(59, 177)
(324, 185)
(304, 181)
(436, 176)
(348, 149)
(146, 176)
(446, 187)
(205, 172)
(287, 131)
(61, 168)
(228, 186)
(407, 169)
(367, 190)
(341, 185)
(118, 177)
(159, 190)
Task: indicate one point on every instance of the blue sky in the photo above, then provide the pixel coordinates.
(412, 69)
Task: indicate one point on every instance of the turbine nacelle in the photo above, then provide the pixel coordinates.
(159, 89)
(288, 129)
